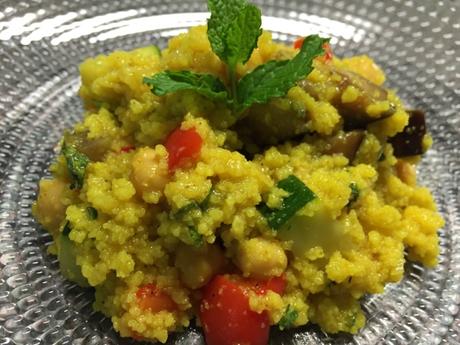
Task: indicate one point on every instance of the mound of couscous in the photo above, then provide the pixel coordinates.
(172, 207)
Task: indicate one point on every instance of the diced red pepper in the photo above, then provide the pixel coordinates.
(298, 42)
(225, 313)
(326, 57)
(150, 297)
(260, 287)
(126, 149)
(327, 53)
(184, 147)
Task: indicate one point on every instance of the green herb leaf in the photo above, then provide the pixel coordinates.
(76, 164)
(299, 196)
(288, 318)
(205, 203)
(205, 84)
(275, 78)
(91, 212)
(180, 213)
(233, 30)
(196, 237)
(354, 195)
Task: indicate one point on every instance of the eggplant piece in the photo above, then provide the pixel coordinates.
(410, 141)
(95, 149)
(354, 113)
(346, 143)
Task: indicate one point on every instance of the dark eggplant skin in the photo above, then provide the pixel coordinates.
(410, 141)
(346, 143)
(354, 113)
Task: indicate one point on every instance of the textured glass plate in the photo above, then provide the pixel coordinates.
(41, 44)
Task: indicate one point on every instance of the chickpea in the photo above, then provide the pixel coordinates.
(150, 170)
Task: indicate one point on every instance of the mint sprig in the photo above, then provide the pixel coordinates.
(233, 31)
(205, 84)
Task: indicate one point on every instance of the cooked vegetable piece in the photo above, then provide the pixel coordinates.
(67, 258)
(406, 172)
(76, 164)
(346, 143)
(300, 195)
(91, 212)
(126, 149)
(150, 297)
(410, 141)
(149, 50)
(184, 146)
(270, 124)
(354, 112)
(94, 149)
(288, 319)
(226, 316)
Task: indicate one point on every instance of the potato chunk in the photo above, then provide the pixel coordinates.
(260, 258)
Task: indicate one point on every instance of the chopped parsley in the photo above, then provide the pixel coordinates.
(76, 164)
(299, 196)
(196, 237)
(354, 195)
(91, 212)
(288, 318)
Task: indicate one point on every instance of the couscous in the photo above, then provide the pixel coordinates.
(177, 198)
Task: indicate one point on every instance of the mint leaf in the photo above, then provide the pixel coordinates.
(275, 78)
(242, 35)
(205, 84)
(223, 13)
(76, 164)
(233, 30)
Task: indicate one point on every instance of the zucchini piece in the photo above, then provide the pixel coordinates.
(149, 50)
(67, 260)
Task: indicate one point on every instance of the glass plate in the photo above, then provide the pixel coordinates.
(41, 44)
